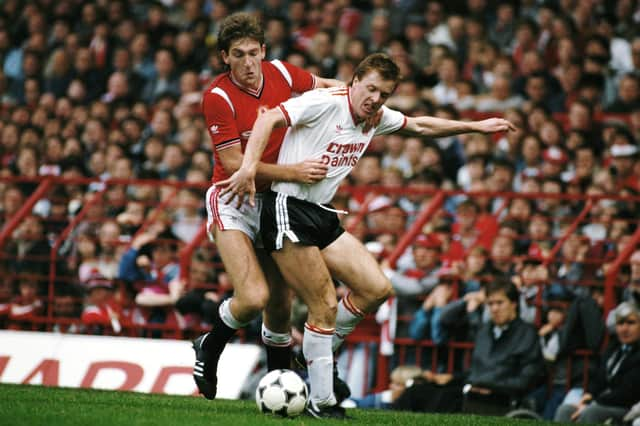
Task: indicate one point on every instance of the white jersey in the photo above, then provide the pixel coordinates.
(321, 125)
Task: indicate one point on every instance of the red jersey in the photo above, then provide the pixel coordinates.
(104, 314)
(25, 310)
(230, 111)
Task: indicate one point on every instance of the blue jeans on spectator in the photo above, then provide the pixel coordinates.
(373, 400)
(548, 400)
(427, 321)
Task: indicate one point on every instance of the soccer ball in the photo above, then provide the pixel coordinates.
(282, 392)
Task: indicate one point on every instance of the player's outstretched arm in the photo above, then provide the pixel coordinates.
(440, 127)
(242, 182)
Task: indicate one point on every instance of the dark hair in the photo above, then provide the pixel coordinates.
(382, 64)
(512, 223)
(330, 32)
(585, 104)
(503, 285)
(555, 180)
(238, 26)
(538, 74)
(429, 176)
(531, 24)
(170, 50)
(468, 203)
(503, 162)
(449, 110)
(591, 79)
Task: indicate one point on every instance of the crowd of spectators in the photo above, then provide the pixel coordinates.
(111, 90)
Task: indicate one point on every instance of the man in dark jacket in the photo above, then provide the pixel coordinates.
(506, 356)
(505, 364)
(616, 385)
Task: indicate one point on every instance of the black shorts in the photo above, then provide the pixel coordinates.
(300, 221)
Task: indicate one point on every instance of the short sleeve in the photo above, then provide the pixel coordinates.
(298, 79)
(391, 121)
(306, 109)
(220, 119)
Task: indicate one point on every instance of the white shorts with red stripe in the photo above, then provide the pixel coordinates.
(229, 217)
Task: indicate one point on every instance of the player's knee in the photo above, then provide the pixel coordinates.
(256, 300)
(370, 298)
(331, 308)
(383, 291)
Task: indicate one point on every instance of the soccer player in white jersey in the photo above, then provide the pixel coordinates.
(230, 106)
(303, 232)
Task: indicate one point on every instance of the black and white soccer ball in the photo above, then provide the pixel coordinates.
(282, 392)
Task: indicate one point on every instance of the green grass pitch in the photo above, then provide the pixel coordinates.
(37, 405)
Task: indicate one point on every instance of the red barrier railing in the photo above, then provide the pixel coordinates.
(570, 230)
(587, 357)
(424, 216)
(436, 202)
(95, 198)
(554, 251)
(362, 213)
(157, 212)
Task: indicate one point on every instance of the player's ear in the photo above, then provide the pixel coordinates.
(263, 51)
(225, 57)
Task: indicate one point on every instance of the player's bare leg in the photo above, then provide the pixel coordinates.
(249, 298)
(306, 273)
(350, 262)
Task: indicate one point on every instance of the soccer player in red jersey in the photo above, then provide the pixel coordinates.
(231, 105)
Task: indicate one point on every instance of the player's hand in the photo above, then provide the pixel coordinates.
(492, 125)
(241, 183)
(310, 171)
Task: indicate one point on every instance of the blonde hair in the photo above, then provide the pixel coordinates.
(405, 372)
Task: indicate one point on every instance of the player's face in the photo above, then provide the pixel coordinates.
(369, 93)
(244, 58)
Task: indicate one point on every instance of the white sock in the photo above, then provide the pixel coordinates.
(346, 320)
(316, 347)
(227, 317)
(271, 338)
